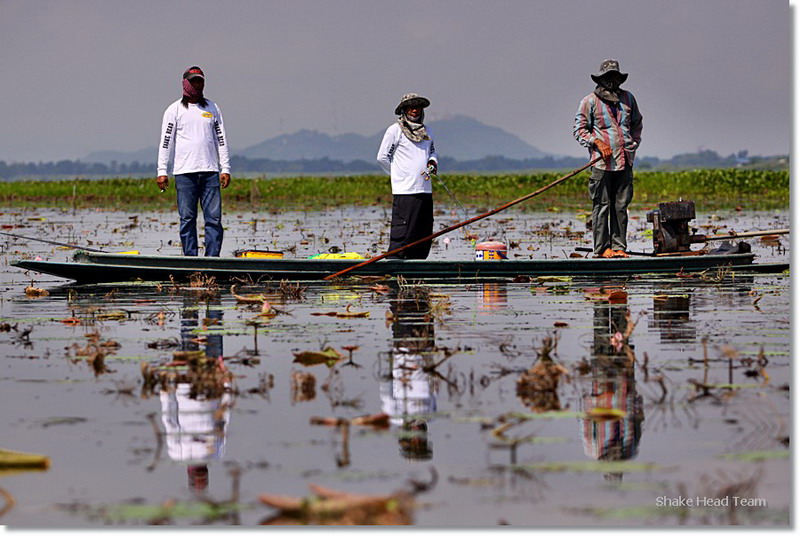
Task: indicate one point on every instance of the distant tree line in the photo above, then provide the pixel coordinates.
(241, 164)
(72, 168)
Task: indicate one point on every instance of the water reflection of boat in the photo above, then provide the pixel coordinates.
(91, 267)
(408, 393)
(611, 384)
(195, 421)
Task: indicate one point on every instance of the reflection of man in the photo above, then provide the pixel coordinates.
(195, 422)
(195, 430)
(409, 393)
(612, 384)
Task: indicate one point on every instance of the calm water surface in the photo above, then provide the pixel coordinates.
(447, 363)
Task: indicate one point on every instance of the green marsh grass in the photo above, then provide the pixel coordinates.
(709, 188)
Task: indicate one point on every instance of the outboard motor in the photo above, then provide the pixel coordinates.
(671, 227)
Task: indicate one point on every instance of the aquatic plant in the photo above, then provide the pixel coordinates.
(715, 187)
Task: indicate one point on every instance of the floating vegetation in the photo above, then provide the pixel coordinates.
(758, 456)
(327, 356)
(538, 386)
(326, 506)
(347, 313)
(544, 415)
(94, 352)
(292, 291)
(35, 292)
(168, 513)
(610, 466)
(201, 286)
(331, 507)
(249, 299)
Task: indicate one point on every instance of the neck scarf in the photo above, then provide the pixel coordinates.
(413, 131)
(607, 91)
(190, 92)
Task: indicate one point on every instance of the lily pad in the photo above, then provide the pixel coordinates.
(554, 279)
(329, 357)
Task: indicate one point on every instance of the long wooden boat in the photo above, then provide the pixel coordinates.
(88, 267)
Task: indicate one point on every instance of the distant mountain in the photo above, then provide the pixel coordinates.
(465, 138)
(310, 145)
(458, 137)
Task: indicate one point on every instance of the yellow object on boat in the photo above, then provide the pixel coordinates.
(14, 459)
(258, 254)
(337, 256)
(132, 252)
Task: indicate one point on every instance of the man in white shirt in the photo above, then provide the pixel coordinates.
(193, 130)
(405, 154)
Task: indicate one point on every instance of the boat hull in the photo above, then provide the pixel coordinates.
(101, 267)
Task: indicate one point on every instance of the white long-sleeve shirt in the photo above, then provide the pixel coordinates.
(405, 161)
(197, 138)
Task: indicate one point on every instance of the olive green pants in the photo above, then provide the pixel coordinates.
(611, 193)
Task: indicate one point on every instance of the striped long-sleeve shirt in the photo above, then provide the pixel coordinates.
(617, 124)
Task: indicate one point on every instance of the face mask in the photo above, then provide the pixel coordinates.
(190, 92)
(610, 82)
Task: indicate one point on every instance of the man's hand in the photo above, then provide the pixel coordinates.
(224, 180)
(162, 181)
(604, 148)
(432, 163)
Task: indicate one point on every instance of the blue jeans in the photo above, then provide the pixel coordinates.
(203, 188)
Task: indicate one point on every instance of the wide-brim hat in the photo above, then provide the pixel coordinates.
(411, 99)
(609, 66)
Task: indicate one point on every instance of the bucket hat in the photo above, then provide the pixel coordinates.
(609, 66)
(411, 99)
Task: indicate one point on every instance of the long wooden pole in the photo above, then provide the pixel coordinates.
(466, 222)
(62, 244)
(746, 234)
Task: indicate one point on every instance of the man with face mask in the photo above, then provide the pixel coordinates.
(193, 135)
(609, 124)
(405, 154)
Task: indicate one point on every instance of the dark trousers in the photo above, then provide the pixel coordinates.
(611, 193)
(412, 219)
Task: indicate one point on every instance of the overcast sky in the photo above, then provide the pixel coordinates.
(86, 75)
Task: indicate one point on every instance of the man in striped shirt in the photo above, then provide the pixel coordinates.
(609, 124)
